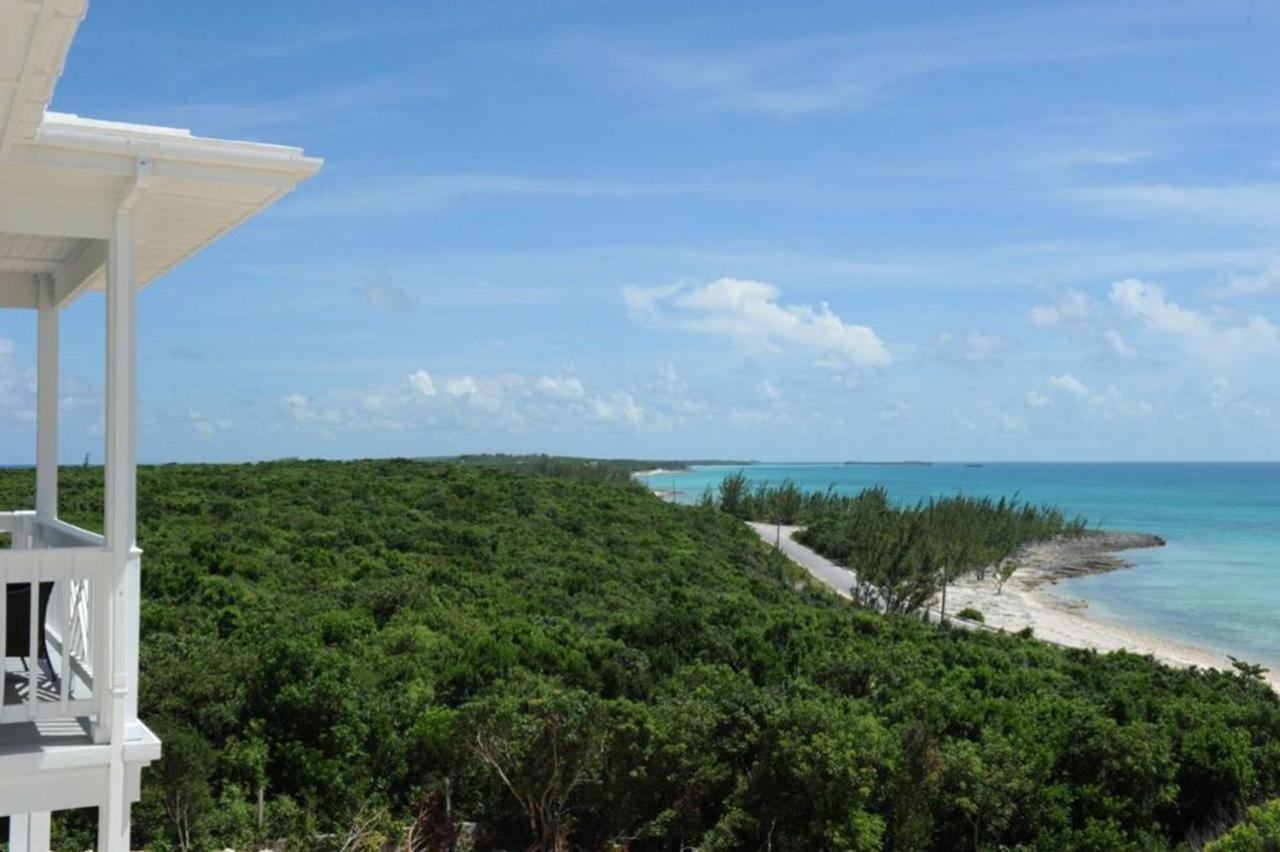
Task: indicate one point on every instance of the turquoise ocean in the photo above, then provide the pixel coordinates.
(1216, 584)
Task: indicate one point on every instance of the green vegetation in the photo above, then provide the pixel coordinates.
(617, 471)
(383, 647)
(971, 614)
(1258, 832)
(902, 555)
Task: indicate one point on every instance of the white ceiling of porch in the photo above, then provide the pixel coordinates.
(26, 253)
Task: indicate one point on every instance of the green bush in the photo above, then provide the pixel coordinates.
(971, 614)
(1258, 832)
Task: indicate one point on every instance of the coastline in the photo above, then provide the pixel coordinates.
(1030, 597)
(657, 471)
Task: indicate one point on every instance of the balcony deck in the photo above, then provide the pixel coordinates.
(28, 737)
(17, 683)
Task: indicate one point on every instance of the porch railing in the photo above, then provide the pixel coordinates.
(53, 565)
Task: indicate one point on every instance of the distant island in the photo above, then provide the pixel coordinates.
(617, 470)
(890, 463)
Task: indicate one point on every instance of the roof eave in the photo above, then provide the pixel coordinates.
(73, 133)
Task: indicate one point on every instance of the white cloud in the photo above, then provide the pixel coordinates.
(300, 410)
(17, 385)
(1095, 157)
(1117, 345)
(806, 75)
(1072, 308)
(422, 383)
(1264, 281)
(1108, 405)
(1073, 311)
(749, 312)
(1208, 336)
(206, 427)
(974, 347)
(1249, 204)
(620, 407)
(461, 386)
(564, 387)
(298, 407)
(401, 194)
(1071, 385)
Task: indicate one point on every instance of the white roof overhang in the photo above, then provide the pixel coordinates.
(35, 36)
(64, 178)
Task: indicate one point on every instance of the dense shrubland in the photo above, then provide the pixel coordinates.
(615, 471)
(902, 555)
(383, 647)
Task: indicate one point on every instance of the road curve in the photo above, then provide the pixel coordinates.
(823, 570)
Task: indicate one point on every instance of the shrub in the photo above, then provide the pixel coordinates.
(1258, 832)
(971, 614)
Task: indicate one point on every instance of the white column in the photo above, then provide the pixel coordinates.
(47, 404)
(121, 524)
(121, 500)
(29, 832)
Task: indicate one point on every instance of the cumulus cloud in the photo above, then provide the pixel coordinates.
(208, 427)
(1070, 384)
(750, 313)
(563, 387)
(423, 383)
(620, 407)
(461, 386)
(1207, 335)
(1261, 282)
(1117, 345)
(974, 347)
(1071, 308)
(1109, 404)
(298, 408)
(17, 385)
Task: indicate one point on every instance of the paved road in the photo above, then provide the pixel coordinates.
(832, 575)
(823, 569)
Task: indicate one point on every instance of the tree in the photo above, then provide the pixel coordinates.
(1258, 832)
(734, 492)
(184, 770)
(544, 744)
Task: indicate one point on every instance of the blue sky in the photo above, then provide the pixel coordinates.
(747, 229)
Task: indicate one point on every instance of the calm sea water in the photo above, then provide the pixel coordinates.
(1216, 584)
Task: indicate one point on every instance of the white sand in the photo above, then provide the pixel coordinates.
(1030, 599)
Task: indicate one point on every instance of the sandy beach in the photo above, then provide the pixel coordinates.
(1032, 598)
(657, 471)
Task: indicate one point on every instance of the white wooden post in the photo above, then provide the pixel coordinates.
(30, 832)
(47, 403)
(121, 525)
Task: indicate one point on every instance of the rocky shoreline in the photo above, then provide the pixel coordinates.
(1094, 552)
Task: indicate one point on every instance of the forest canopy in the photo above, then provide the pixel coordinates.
(377, 647)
